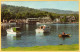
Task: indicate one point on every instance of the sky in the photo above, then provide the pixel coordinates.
(62, 5)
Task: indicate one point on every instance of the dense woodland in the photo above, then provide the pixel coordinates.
(19, 12)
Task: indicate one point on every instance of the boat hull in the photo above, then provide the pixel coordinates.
(46, 30)
(11, 32)
(39, 30)
(60, 35)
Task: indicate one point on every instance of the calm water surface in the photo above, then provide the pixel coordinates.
(28, 37)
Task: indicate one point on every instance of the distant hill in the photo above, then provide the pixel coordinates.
(57, 11)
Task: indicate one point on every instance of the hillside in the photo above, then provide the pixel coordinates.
(18, 9)
(20, 12)
(59, 11)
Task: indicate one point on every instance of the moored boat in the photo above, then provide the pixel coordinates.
(13, 30)
(43, 28)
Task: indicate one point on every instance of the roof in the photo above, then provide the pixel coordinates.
(15, 27)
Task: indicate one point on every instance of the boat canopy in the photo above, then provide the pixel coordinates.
(16, 29)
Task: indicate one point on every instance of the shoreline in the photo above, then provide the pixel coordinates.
(6, 23)
(73, 47)
(45, 23)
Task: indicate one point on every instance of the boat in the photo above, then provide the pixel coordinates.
(13, 30)
(67, 35)
(43, 28)
(39, 32)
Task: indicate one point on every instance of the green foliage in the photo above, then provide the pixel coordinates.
(15, 12)
(63, 19)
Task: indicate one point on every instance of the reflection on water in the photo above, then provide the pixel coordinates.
(40, 39)
(14, 37)
(29, 37)
(40, 34)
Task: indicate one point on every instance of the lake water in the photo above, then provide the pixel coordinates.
(28, 37)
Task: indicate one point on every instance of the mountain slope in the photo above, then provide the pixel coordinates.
(18, 9)
(59, 11)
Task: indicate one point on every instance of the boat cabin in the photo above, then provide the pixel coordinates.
(16, 29)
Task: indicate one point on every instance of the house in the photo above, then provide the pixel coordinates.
(45, 19)
(11, 21)
(32, 20)
(73, 19)
(4, 21)
(70, 19)
(57, 20)
(61, 17)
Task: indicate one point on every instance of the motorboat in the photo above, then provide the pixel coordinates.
(39, 30)
(43, 28)
(13, 30)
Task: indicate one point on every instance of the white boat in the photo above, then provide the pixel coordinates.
(39, 30)
(43, 28)
(11, 31)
